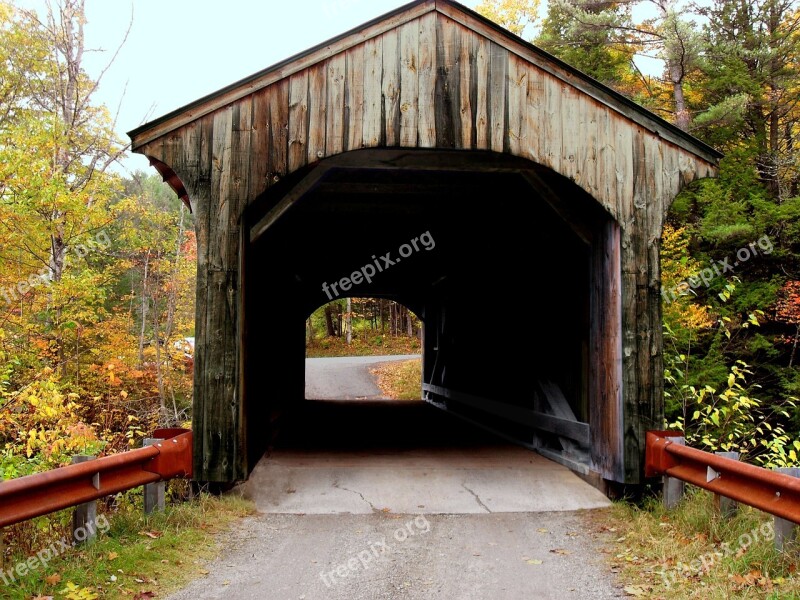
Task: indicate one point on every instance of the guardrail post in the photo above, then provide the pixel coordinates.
(153, 492)
(785, 531)
(85, 516)
(673, 488)
(725, 507)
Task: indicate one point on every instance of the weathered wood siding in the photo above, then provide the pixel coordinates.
(437, 80)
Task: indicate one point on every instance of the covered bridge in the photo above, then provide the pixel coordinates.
(475, 173)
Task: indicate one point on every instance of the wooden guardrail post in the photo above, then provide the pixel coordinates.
(673, 488)
(725, 507)
(785, 531)
(153, 492)
(85, 515)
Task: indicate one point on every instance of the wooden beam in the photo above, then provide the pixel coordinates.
(562, 427)
(308, 183)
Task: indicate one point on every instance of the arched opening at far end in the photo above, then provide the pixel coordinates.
(363, 349)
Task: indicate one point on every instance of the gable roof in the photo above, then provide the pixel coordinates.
(459, 13)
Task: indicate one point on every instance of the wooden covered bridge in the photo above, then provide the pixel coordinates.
(433, 158)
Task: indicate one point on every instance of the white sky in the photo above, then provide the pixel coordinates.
(180, 50)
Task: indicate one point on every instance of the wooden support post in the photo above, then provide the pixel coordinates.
(673, 488)
(153, 492)
(725, 507)
(84, 519)
(785, 531)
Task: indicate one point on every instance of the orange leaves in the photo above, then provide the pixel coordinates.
(787, 309)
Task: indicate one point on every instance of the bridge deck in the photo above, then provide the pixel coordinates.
(400, 457)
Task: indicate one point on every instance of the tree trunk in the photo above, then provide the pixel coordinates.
(143, 328)
(349, 321)
(329, 321)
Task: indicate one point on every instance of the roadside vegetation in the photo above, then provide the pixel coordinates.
(400, 380)
(138, 557)
(691, 552)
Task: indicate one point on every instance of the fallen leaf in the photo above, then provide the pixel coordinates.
(638, 591)
(53, 579)
(542, 530)
(534, 561)
(561, 551)
(112, 555)
(202, 571)
(144, 595)
(151, 534)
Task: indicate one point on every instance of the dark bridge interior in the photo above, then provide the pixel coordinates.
(498, 263)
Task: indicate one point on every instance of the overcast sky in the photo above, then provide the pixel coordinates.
(180, 50)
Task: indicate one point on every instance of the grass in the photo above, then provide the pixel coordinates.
(400, 380)
(375, 345)
(690, 552)
(137, 557)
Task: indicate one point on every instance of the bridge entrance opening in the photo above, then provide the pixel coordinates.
(507, 264)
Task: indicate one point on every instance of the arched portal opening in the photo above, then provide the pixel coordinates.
(513, 268)
(363, 349)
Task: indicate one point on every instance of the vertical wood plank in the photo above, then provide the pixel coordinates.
(498, 97)
(427, 81)
(572, 118)
(298, 120)
(391, 87)
(551, 150)
(334, 137)
(219, 368)
(466, 97)
(278, 132)
(605, 179)
(259, 142)
(241, 133)
(623, 153)
(517, 105)
(481, 84)
(317, 111)
(534, 115)
(409, 84)
(354, 107)
(448, 84)
(373, 102)
(585, 145)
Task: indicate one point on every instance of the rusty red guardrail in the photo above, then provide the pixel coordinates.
(772, 492)
(36, 495)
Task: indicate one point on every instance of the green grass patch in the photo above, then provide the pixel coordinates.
(137, 557)
(374, 345)
(691, 552)
(400, 380)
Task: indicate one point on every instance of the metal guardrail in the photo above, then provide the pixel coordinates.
(772, 492)
(36, 495)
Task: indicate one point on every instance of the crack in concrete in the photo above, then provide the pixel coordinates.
(338, 487)
(477, 498)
